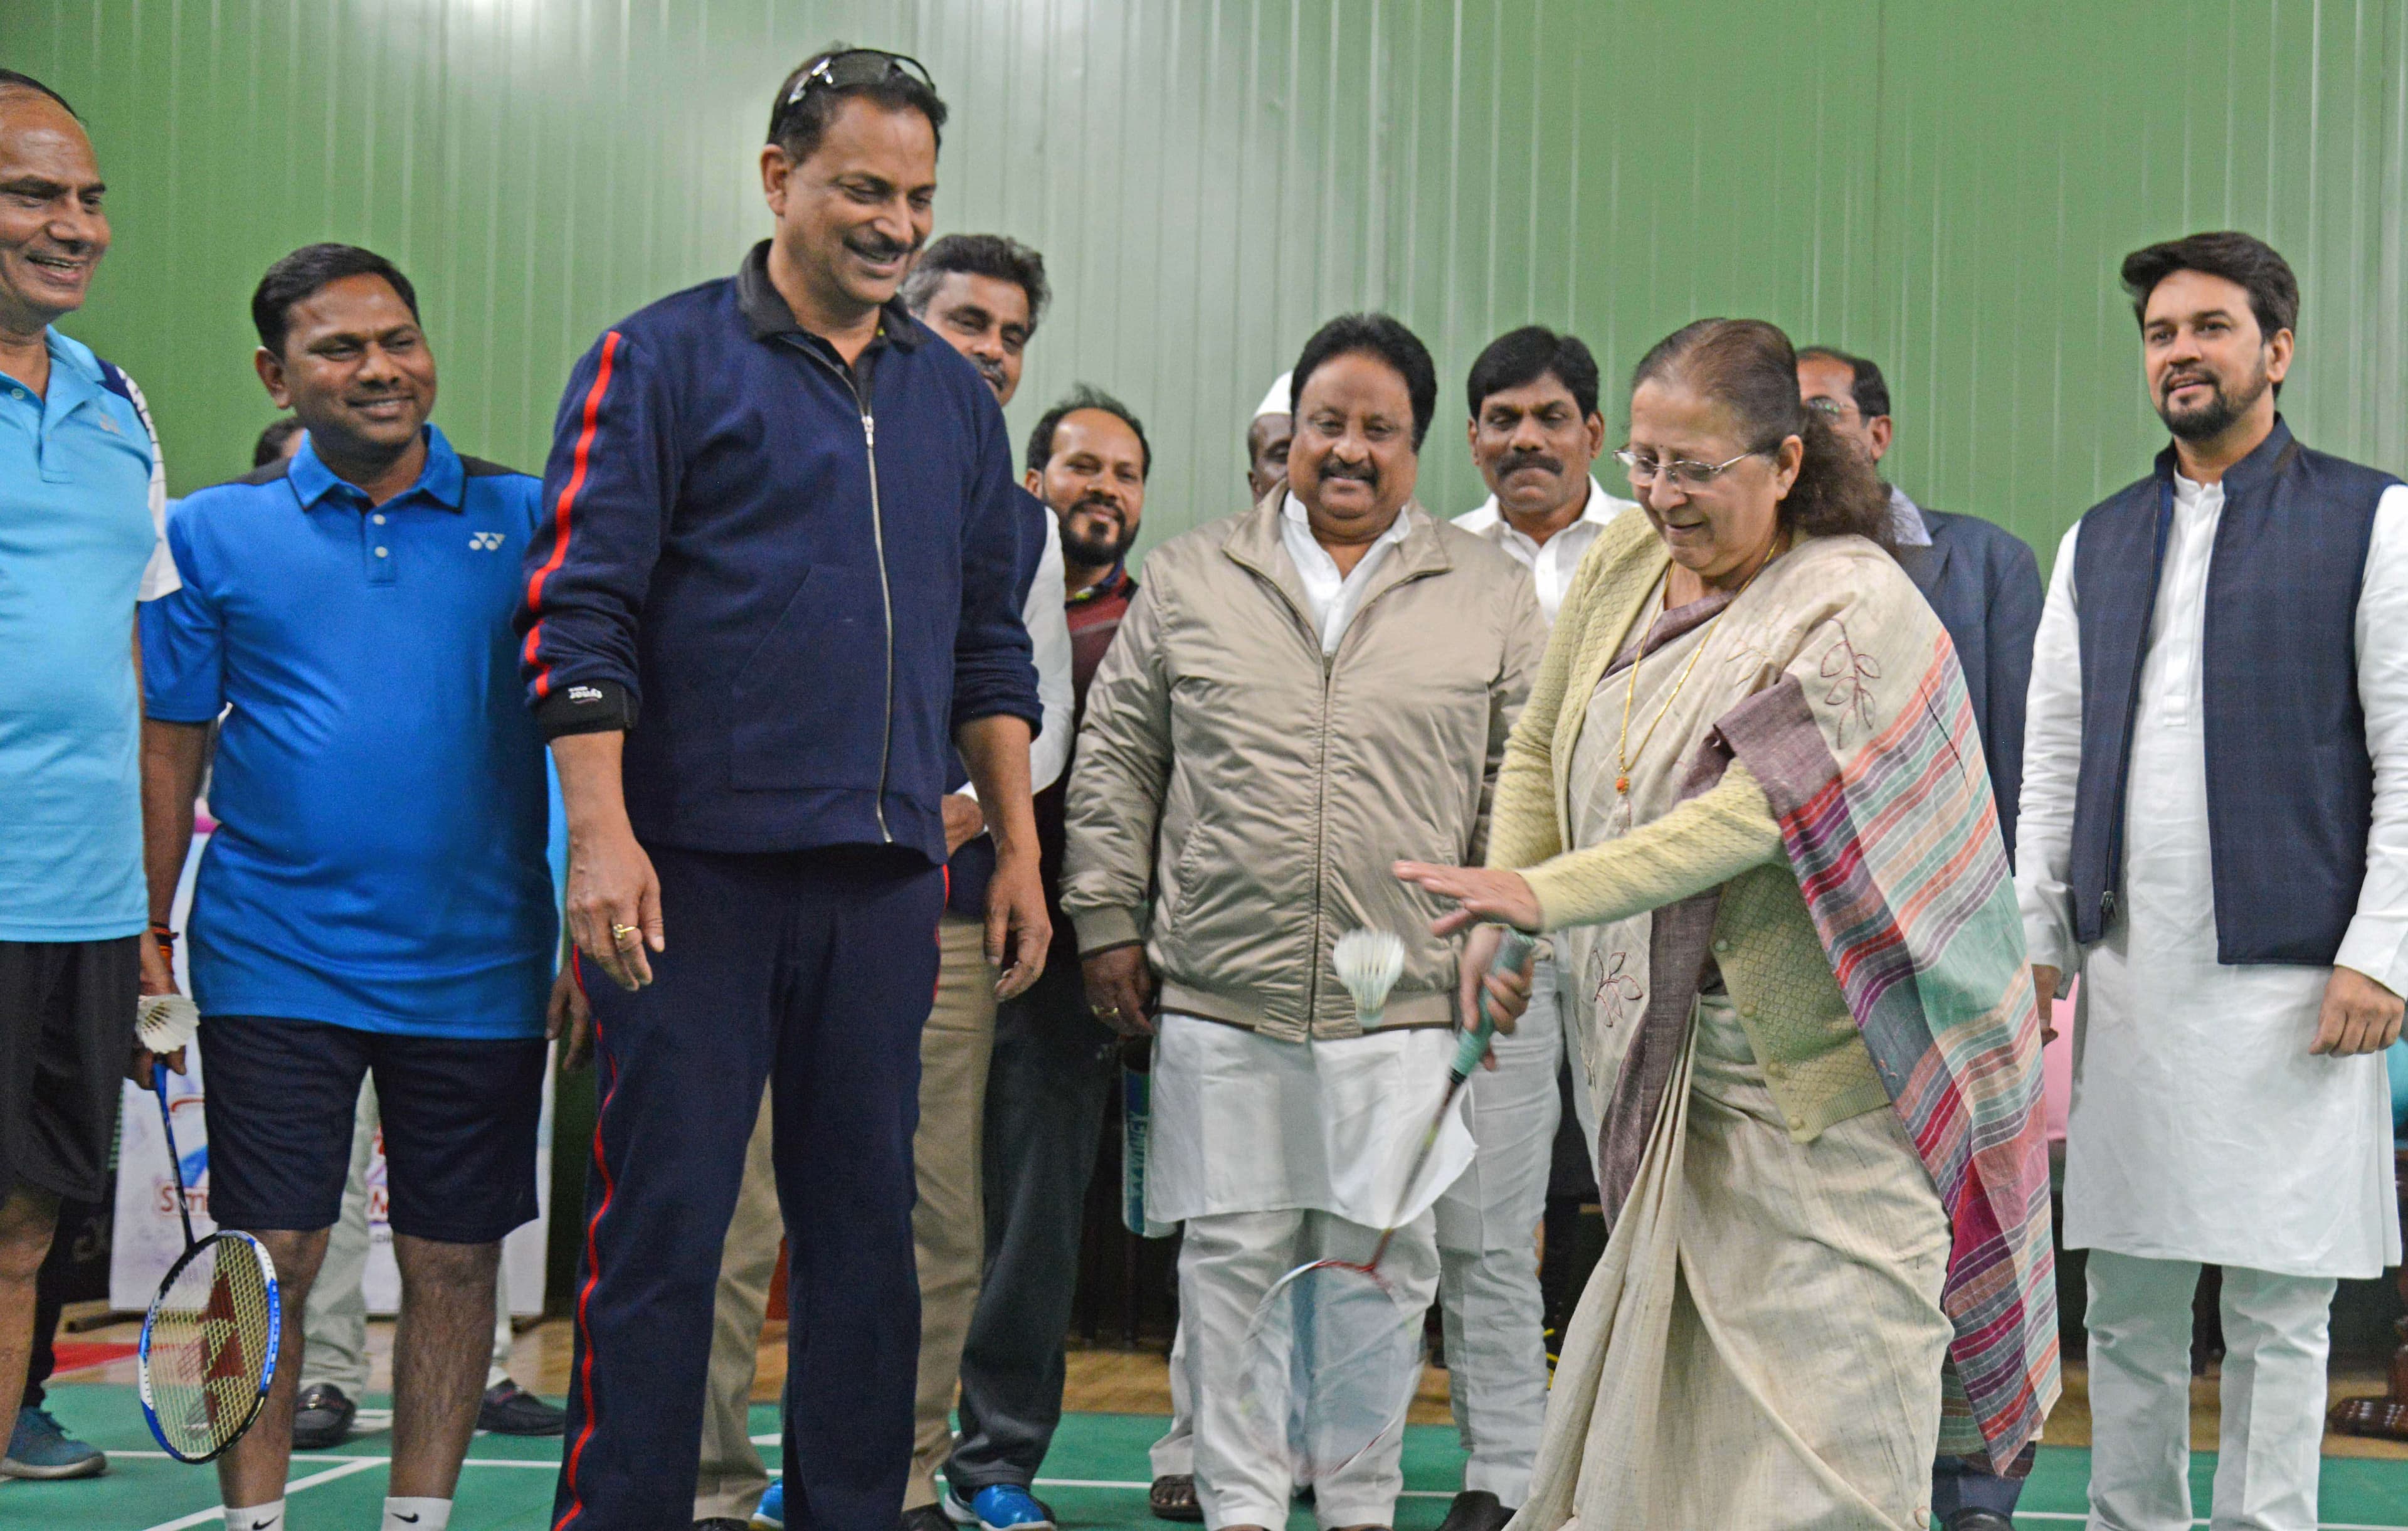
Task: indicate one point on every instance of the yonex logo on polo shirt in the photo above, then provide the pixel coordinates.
(488, 541)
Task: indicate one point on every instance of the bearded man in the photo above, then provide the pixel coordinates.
(2215, 834)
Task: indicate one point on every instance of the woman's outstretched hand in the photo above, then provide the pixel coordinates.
(1482, 894)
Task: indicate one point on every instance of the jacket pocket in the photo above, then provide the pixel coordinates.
(809, 707)
(1179, 889)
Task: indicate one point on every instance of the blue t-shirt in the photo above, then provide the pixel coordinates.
(380, 786)
(81, 500)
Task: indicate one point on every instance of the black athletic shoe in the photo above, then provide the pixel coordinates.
(321, 1418)
(926, 1518)
(509, 1409)
(1979, 1519)
(1475, 1509)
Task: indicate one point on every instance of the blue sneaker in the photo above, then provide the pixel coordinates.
(1004, 1506)
(770, 1514)
(40, 1446)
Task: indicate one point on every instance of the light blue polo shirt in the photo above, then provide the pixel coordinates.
(82, 498)
(380, 785)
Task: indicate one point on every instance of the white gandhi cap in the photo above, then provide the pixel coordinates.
(1275, 402)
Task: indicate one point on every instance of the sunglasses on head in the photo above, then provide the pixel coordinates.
(850, 71)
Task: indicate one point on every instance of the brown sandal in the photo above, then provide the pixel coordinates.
(1172, 1497)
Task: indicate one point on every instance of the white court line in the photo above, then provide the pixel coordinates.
(216, 1513)
(2321, 1525)
(350, 1465)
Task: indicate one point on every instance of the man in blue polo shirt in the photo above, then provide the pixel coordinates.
(81, 497)
(376, 898)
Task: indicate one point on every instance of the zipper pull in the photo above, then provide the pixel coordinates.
(870, 430)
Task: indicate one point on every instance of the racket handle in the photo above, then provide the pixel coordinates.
(1512, 952)
(175, 1164)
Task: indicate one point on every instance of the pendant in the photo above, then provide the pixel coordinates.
(1622, 785)
(1619, 819)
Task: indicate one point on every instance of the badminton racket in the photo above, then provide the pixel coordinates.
(1335, 1349)
(207, 1353)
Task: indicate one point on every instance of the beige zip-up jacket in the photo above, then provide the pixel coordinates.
(1239, 799)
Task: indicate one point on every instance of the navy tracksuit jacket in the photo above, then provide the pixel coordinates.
(789, 582)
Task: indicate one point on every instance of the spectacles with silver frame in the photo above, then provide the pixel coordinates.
(1687, 473)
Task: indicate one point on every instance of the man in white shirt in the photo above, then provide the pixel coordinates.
(1534, 431)
(2215, 834)
(1267, 436)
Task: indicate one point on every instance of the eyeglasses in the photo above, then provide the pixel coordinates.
(1824, 403)
(850, 71)
(1688, 474)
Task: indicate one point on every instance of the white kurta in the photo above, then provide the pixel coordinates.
(2201, 1128)
(1243, 1122)
(1553, 562)
(1049, 645)
(1044, 614)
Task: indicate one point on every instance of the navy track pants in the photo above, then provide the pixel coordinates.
(815, 971)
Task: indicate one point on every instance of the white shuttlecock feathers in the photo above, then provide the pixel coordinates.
(164, 1022)
(1369, 963)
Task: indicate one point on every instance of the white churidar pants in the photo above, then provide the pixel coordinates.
(2276, 1330)
(1175, 1453)
(1489, 1254)
(1227, 1263)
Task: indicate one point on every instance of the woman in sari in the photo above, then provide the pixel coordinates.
(1747, 801)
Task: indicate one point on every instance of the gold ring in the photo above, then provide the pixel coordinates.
(1103, 1010)
(625, 934)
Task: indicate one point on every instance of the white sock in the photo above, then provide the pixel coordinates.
(256, 1517)
(417, 1514)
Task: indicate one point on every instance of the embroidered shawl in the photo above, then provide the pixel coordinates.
(1845, 703)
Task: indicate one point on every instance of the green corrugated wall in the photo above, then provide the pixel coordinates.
(1945, 185)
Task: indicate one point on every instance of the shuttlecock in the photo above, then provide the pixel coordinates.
(163, 1023)
(1369, 963)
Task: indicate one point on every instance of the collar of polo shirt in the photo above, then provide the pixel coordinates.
(442, 480)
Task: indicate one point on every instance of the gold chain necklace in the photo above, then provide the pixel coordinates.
(1630, 687)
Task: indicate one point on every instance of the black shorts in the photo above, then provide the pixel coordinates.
(459, 1127)
(66, 1031)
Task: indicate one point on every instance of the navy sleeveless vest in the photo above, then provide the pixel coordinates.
(2290, 786)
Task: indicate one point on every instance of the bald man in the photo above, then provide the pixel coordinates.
(84, 500)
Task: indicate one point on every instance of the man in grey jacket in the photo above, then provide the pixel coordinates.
(1301, 695)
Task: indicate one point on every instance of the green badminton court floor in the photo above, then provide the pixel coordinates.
(1096, 1477)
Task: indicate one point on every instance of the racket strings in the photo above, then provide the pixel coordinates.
(210, 1340)
(1335, 1356)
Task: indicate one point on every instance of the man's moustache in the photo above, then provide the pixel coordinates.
(1515, 462)
(1365, 474)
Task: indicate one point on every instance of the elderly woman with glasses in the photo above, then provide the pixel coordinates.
(1747, 801)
